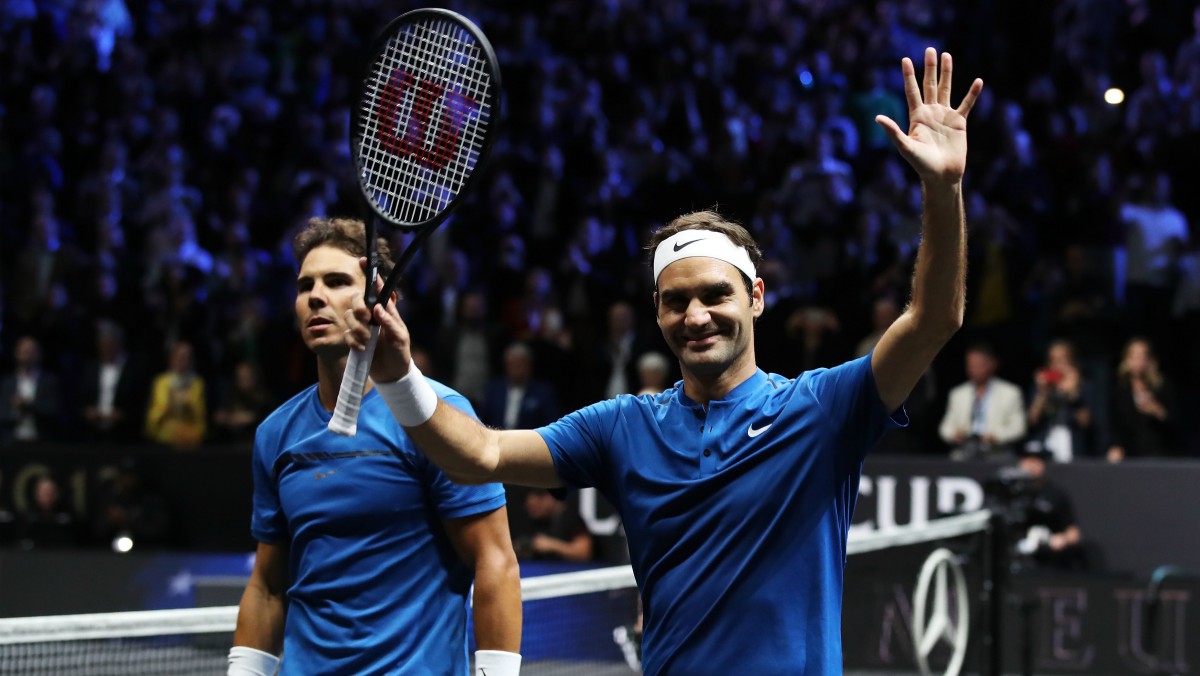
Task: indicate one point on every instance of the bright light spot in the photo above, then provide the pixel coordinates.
(1114, 96)
(122, 544)
(806, 77)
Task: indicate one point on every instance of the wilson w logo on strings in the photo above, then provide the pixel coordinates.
(422, 120)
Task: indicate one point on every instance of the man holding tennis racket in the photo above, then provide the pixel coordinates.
(736, 487)
(366, 550)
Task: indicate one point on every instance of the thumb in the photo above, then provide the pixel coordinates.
(894, 132)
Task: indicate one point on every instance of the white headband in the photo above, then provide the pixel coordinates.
(706, 243)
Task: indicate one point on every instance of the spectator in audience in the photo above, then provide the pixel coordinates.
(114, 389)
(985, 416)
(617, 358)
(1060, 410)
(517, 400)
(30, 404)
(46, 523)
(465, 349)
(1144, 407)
(242, 406)
(176, 416)
(129, 507)
(653, 369)
(555, 531)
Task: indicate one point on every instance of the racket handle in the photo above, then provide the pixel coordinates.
(354, 380)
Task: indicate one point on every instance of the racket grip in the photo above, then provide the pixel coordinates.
(354, 380)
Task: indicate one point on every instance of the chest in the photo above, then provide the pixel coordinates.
(346, 490)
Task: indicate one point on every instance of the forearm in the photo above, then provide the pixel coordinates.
(260, 620)
(939, 281)
(497, 604)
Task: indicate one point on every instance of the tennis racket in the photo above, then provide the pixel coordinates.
(425, 121)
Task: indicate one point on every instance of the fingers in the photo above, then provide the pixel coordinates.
(968, 101)
(911, 92)
(930, 75)
(944, 80)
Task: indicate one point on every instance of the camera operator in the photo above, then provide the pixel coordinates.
(1044, 531)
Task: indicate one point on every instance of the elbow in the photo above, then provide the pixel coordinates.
(479, 468)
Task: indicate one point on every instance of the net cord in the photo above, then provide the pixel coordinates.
(224, 619)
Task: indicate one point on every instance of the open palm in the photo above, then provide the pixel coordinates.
(936, 142)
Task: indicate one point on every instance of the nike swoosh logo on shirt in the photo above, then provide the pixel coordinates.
(679, 246)
(322, 475)
(751, 432)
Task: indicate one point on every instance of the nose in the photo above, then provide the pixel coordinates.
(696, 315)
(316, 296)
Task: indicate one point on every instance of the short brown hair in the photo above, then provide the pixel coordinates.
(347, 234)
(709, 220)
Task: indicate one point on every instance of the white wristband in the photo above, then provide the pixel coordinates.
(245, 661)
(411, 399)
(497, 663)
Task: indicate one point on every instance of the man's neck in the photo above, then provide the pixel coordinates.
(703, 388)
(329, 380)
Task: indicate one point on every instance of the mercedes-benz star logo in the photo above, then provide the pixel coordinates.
(934, 623)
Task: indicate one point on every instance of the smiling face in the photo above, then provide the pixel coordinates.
(329, 281)
(707, 317)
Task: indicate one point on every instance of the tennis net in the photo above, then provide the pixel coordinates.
(576, 624)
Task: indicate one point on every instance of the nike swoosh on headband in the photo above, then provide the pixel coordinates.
(679, 246)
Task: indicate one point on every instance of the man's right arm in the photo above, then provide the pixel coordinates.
(470, 453)
(262, 611)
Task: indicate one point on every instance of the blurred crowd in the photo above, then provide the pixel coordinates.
(157, 157)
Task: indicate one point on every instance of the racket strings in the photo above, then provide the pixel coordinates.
(424, 118)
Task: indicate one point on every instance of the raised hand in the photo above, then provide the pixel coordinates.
(393, 351)
(936, 142)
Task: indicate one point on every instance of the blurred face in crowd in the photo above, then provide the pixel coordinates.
(541, 506)
(706, 316)
(26, 353)
(518, 365)
(1137, 357)
(181, 358)
(1034, 466)
(46, 494)
(980, 367)
(1060, 357)
(329, 281)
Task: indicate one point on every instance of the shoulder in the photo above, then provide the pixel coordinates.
(1007, 387)
(279, 418)
(451, 396)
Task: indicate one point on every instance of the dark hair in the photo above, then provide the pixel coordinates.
(347, 234)
(709, 220)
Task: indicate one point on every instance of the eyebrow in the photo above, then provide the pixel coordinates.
(718, 288)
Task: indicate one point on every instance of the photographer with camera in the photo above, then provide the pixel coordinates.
(1060, 410)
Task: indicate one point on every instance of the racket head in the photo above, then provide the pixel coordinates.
(426, 116)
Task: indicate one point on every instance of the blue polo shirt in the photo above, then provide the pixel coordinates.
(375, 585)
(737, 516)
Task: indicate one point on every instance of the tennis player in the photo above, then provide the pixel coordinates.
(736, 487)
(366, 551)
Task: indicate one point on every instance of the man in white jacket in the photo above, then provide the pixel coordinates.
(985, 416)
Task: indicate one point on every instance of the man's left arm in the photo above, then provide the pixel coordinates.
(936, 147)
(483, 542)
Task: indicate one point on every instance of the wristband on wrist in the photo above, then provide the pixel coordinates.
(497, 663)
(246, 661)
(411, 399)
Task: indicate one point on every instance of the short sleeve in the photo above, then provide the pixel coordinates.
(451, 500)
(855, 413)
(267, 521)
(578, 443)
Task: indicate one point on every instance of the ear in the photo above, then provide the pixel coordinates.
(655, 301)
(758, 298)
